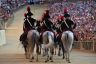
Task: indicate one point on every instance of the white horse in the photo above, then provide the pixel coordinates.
(67, 40)
(33, 38)
(48, 41)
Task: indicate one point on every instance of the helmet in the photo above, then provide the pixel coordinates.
(65, 10)
(46, 14)
(28, 8)
(47, 11)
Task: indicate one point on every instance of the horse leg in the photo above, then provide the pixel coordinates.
(28, 52)
(63, 50)
(59, 54)
(37, 51)
(55, 50)
(43, 49)
(31, 49)
(51, 54)
(68, 55)
(25, 48)
(47, 55)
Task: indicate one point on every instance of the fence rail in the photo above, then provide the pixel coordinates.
(85, 45)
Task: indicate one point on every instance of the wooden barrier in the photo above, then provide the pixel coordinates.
(85, 45)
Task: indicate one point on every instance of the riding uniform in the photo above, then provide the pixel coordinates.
(64, 24)
(47, 24)
(29, 23)
(68, 24)
(58, 30)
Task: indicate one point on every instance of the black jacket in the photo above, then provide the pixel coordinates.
(27, 26)
(69, 23)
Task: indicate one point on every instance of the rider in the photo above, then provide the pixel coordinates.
(59, 21)
(26, 28)
(47, 24)
(67, 24)
(31, 21)
(29, 13)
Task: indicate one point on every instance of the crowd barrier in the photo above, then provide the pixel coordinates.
(2, 37)
(85, 45)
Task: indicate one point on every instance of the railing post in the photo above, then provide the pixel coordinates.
(81, 45)
(93, 48)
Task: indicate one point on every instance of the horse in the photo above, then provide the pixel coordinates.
(48, 41)
(67, 40)
(33, 38)
(24, 42)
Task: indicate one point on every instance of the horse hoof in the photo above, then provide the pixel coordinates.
(27, 58)
(43, 55)
(32, 57)
(39, 53)
(30, 60)
(36, 60)
(58, 54)
(51, 60)
(63, 57)
(69, 62)
(46, 61)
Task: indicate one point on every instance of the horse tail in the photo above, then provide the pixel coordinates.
(66, 37)
(68, 40)
(33, 37)
(50, 40)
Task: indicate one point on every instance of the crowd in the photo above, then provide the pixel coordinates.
(83, 13)
(8, 6)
